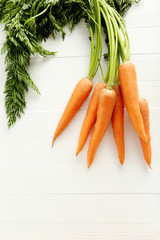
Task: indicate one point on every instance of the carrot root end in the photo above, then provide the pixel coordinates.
(53, 141)
(89, 164)
(121, 163)
(150, 166)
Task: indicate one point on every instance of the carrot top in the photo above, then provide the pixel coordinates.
(118, 42)
(96, 45)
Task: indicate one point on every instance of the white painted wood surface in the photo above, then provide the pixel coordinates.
(49, 194)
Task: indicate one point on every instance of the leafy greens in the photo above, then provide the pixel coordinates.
(27, 24)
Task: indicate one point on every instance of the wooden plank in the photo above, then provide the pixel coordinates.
(144, 14)
(80, 231)
(53, 85)
(30, 165)
(39, 127)
(147, 69)
(76, 178)
(55, 96)
(56, 85)
(144, 40)
(88, 208)
(49, 193)
(139, 45)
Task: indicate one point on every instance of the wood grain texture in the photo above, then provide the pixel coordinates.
(80, 231)
(49, 194)
(145, 14)
(52, 84)
(80, 208)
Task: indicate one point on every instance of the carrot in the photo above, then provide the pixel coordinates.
(90, 118)
(146, 146)
(79, 95)
(118, 123)
(106, 104)
(128, 83)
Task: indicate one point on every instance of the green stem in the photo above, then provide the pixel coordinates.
(92, 50)
(98, 40)
(125, 34)
(101, 72)
(33, 7)
(38, 7)
(109, 27)
(41, 13)
(116, 81)
(117, 45)
(96, 54)
(121, 42)
(105, 79)
(112, 65)
(110, 44)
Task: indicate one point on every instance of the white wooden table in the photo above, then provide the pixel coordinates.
(49, 194)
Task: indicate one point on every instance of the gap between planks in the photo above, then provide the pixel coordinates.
(75, 194)
(87, 56)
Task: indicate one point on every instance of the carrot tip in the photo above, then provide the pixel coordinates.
(121, 159)
(150, 166)
(77, 153)
(89, 164)
(53, 142)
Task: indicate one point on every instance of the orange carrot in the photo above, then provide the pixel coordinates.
(106, 105)
(128, 83)
(146, 146)
(79, 95)
(90, 118)
(118, 123)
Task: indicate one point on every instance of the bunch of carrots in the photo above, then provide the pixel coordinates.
(118, 89)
